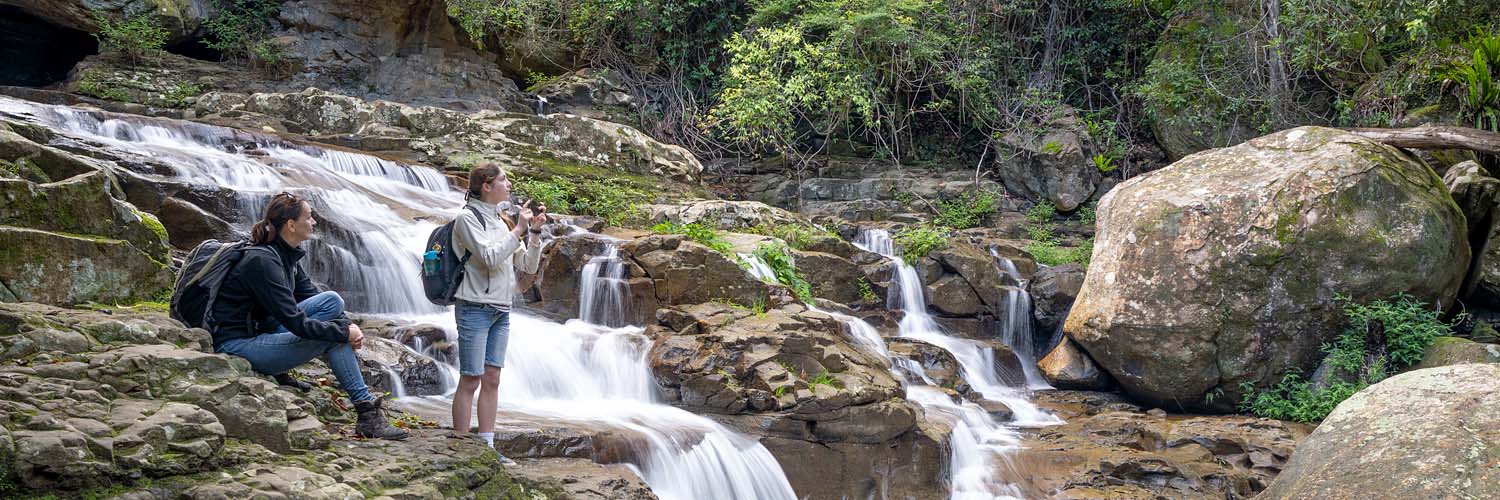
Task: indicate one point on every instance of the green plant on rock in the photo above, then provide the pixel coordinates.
(1041, 212)
(825, 378)
(1086, 213)
(154, 224)
(556, 193)
(1478, 81)
(95, 82)
(866, 293)
(777, 257)
(699, 233)
(1409, 325)
(240, 31)
(917, 242)
(968, 210)
(134, 37)
(179, 94)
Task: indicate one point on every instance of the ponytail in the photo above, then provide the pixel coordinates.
(283, 207)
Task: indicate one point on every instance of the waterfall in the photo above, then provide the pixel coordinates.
(980, 445)
(374, 218)
(1015, 328)
(602, 291)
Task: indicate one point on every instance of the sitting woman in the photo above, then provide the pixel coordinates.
(269, 312)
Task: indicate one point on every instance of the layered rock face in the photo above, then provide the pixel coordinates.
(1223, 268)
(99, 401)
(67, 233)
(1422, 434)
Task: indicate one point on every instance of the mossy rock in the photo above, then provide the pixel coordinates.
(1456, 351)
(1222, 269)
(61, 268)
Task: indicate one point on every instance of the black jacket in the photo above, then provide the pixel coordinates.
(266, 285)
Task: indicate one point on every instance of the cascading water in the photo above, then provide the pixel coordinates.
(981, 446)
(603, 295)
(375, 217)
(1015, 329)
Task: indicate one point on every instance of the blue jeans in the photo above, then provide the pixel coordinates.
(279, 351)
(483, 333)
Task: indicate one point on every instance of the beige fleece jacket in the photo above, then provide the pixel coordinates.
(490, 274)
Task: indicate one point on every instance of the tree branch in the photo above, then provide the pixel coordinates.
(1434, 137)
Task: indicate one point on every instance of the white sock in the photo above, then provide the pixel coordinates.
(488, 437)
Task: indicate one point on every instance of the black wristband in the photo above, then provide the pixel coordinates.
(535, 231)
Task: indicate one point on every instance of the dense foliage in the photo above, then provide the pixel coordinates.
(1410, 327)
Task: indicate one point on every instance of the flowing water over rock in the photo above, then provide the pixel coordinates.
(981, 446)
(375, 217)
(1015, 329)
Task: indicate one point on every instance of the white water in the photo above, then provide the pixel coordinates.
(1015, 328)
(981, 446)
(603, 294)
(578, 373)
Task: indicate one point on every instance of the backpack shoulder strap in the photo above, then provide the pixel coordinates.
(482, 224)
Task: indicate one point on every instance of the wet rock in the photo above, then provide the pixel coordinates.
(385, 363)
(684, 272)
(191, 225)
(1200, 281)
(936, 363)
(584, 480)
(788, 359)
(1478, 196)
(952, 295)
(1414, 435)
(831, 277)
(1053, 291)
(1068, 367)
(1111, 449)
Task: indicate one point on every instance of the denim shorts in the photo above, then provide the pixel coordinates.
(483, 332)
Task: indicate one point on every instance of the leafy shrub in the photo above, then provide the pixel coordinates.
(799, 236)
(614, 200)
(779, 259)
(968, 210)
(865, 292)
(918, 241)
(1050, 253)
(1041, 212)
(135, 37)
(1086, 213)
(824, 378)
(240, 30)
(1410, 327)
(1478, 81)
(179, 94)
(699, 233)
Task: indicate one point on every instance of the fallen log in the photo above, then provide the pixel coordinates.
(1434, 137)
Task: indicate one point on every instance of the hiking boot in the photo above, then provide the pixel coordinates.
(372, 424)
(286, 379)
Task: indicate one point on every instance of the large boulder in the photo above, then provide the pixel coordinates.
(1422, 434)
(684, 272)
(1050, 162)
(1223, 268)
(1478, 195)
(789, 364)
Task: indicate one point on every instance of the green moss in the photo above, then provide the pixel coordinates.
(153, 224)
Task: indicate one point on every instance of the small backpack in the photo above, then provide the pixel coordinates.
(200, 278)
(442, 268)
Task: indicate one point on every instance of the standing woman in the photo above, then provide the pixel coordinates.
(496, 249)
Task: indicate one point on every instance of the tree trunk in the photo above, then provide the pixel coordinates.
(1434, 137)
